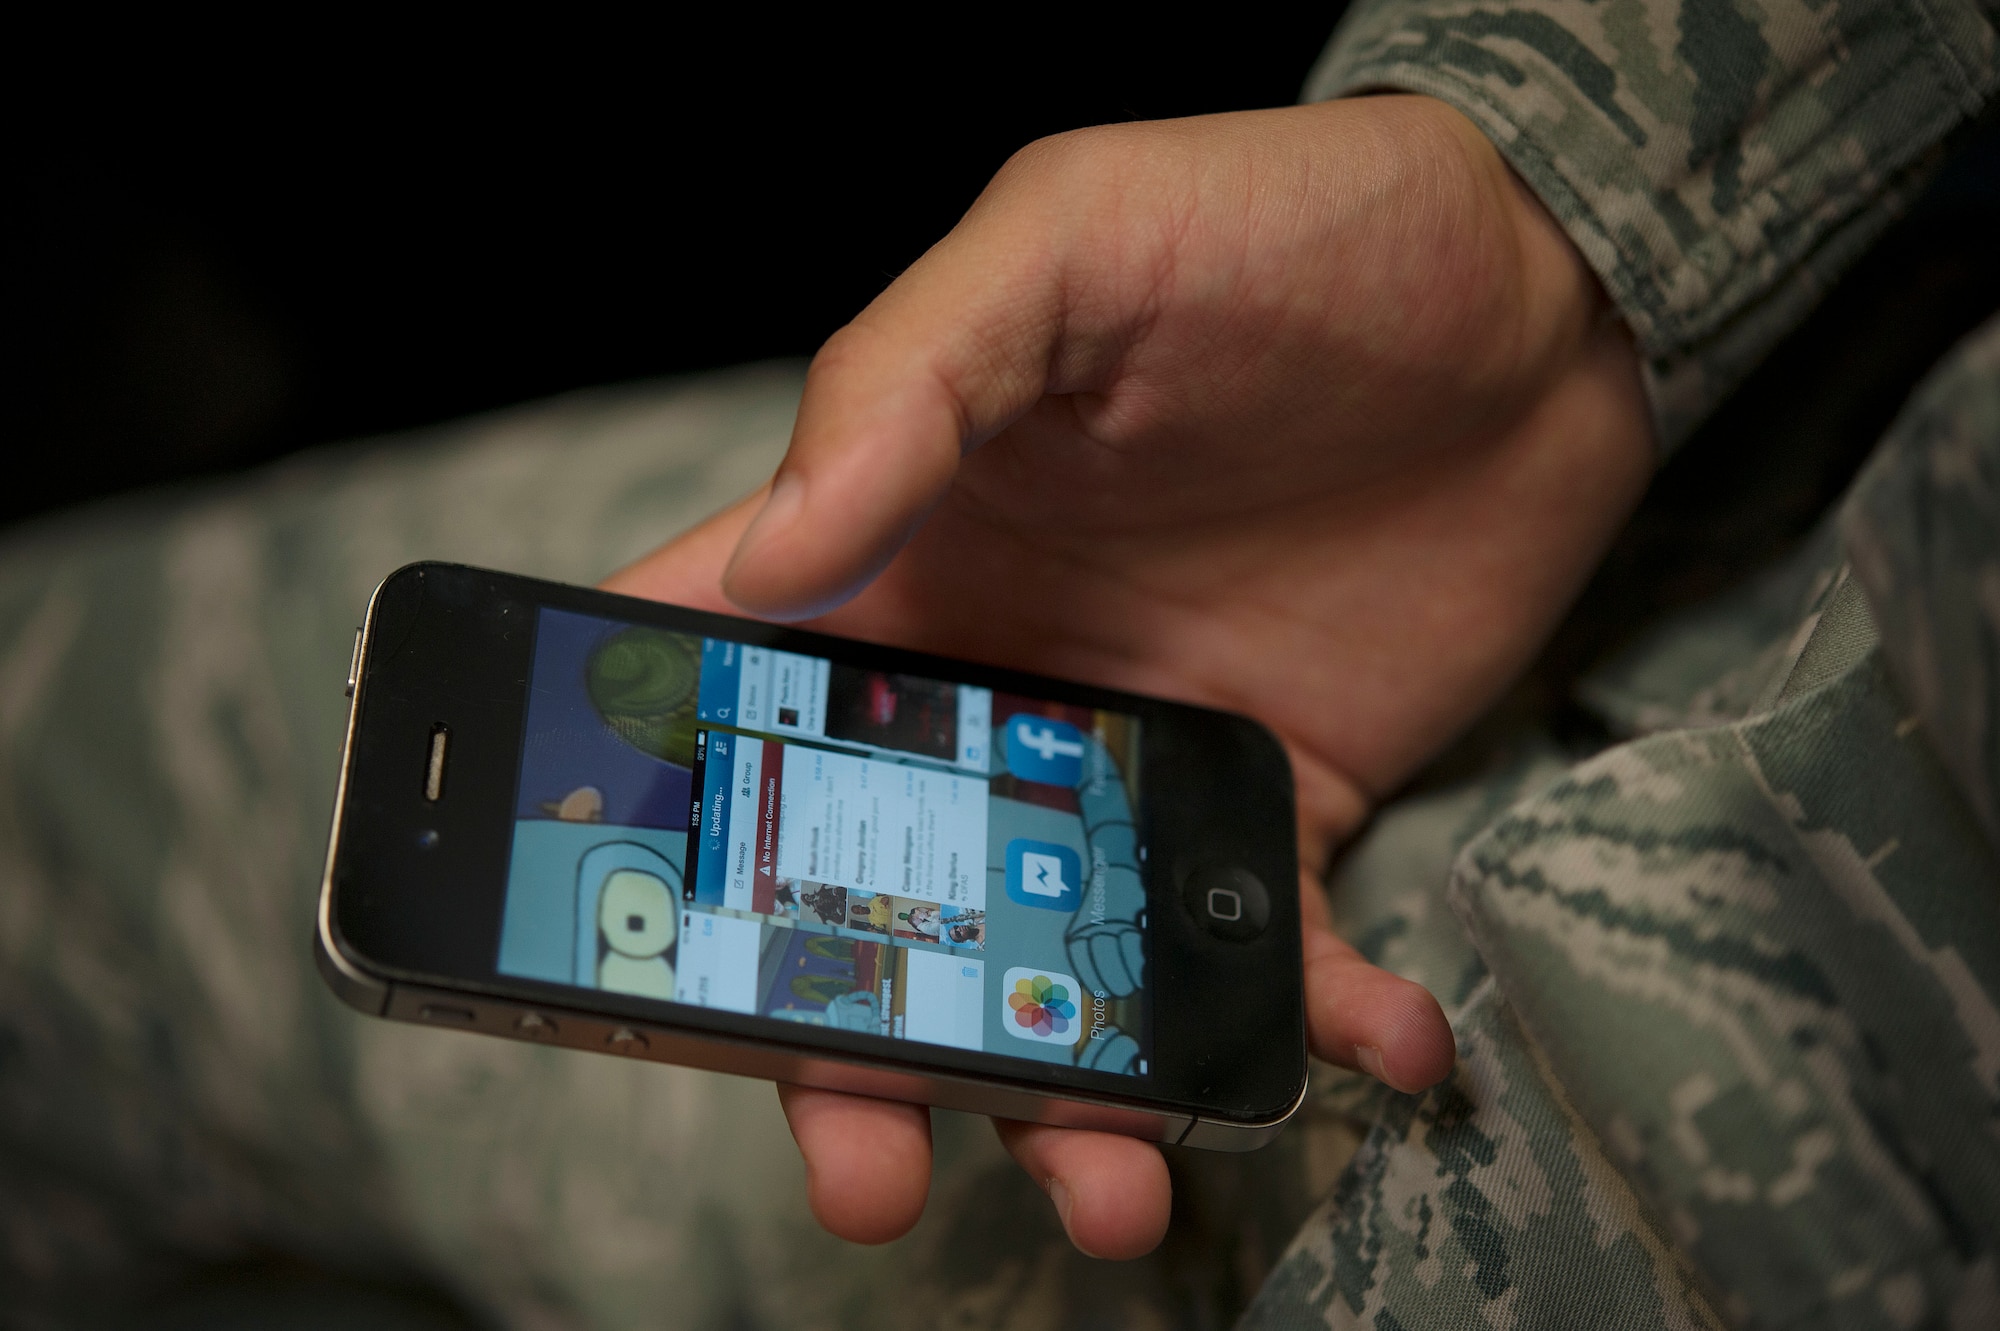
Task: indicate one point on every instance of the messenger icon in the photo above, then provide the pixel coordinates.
(1044, 875)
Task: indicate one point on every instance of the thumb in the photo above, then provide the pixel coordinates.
(953, 351)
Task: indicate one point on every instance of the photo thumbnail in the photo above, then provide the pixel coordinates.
(820, 901)
(964, 927)
(787, 899)
(887, 711)
(919, 921)
(824, 981)
(872, 912)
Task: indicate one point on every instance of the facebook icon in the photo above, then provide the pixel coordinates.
(1042, 749)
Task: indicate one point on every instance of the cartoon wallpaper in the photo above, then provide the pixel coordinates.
(1043, 957)
(610, 732)
(593, 905)
(627, 913)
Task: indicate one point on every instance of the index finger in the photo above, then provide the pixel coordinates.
(957, 348)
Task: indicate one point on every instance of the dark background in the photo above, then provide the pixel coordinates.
(228, 256)
(233, 246)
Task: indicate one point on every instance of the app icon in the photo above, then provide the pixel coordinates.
(1040, 1005)
(1043, 874)
(1040, 748)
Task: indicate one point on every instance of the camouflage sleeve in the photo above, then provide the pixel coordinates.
(1729, 989)
(1782, 897)
(1924, 532)
(1717, 162)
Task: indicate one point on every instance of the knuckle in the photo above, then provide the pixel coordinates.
(1069, 163)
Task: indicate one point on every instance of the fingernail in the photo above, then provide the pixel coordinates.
(1370, 1059)
(780, 507)
(1059, 1194)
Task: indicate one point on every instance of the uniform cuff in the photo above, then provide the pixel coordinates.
(1718, 163)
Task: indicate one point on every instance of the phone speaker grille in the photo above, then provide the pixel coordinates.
(434, 770)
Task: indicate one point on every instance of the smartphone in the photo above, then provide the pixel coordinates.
(611, 824)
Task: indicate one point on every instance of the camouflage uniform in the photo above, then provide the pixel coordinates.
(1729, 1026)
(1727, 992)
(1723, 963)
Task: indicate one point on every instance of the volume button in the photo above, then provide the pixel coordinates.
(354, 665)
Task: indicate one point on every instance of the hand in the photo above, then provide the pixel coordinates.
(1311, 414)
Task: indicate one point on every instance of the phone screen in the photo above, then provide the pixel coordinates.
(703, 822)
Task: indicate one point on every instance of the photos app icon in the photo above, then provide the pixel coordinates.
(1042, 1006)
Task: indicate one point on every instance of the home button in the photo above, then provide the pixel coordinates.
(1227, 901)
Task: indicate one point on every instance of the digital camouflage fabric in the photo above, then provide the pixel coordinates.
(1924, 533)
(1718, 162)
(1725, 992)
(1734, 1053)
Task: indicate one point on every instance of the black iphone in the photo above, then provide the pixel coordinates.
(611, 824)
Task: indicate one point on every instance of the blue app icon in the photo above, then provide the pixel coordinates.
(1043, 875)
(1042, 749)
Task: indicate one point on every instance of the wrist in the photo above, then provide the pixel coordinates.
(1565, 318)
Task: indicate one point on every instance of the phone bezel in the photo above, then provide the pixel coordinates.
(452, 644)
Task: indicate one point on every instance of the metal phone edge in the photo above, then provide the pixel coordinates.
(354, 986)
(376, 996)
(485, 1014)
